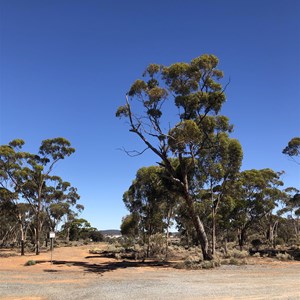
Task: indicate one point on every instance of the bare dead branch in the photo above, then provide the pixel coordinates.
(132, 153)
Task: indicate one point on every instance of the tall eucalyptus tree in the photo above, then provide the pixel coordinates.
(195, 90)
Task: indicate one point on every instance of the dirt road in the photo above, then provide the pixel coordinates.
(76, 274)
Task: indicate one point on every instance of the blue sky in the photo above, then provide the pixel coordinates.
(65, 67)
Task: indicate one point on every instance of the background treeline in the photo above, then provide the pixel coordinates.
(251, 211)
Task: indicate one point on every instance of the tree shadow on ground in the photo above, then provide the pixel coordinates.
(109, 266)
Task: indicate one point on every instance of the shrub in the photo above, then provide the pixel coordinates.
(128, 242)
(284, 256)
(210, 264)
(236, 254)
(8, 254)
(240, 254)
(191, 262)
(95, 251)
(30, 263)
(115, 248)
(237, 262)
(234, 261)
(256, 254)
(194, 263)
(224, 262)
(157, 244)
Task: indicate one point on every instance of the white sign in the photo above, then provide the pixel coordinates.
(51, 235)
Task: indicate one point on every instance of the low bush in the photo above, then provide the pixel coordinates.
(210, 264)
(95, 251)
(236, 254)
(256, 254)
(8, 254)
(237, 262)
(157, 245)
(195, 263)
(239, 254)
(30, 263)
(115, 248)
(284, 256)
(224, 261)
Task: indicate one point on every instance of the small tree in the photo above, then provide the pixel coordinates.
(221, 167)
(80, 229)
(60, 199)
(257, 194)
(150, 202)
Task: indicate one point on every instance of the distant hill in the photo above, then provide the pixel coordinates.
(111, 232)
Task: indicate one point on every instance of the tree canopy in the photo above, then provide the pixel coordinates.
(293, 149)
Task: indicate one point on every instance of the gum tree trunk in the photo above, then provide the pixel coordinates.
(200, 230)
(198, 224)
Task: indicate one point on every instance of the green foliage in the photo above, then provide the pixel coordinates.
(30, 263)
(137, 88)
(96, 236)
(157, 245)
(80, 229)
(149, 201)
(129, 225)
(185, 133)
(293, 147)
(57, 148)
(257, 193)
(291, 202)
(122, 112)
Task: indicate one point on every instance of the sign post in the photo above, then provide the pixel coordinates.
(52, 237)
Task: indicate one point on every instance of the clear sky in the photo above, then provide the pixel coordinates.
(65, 66)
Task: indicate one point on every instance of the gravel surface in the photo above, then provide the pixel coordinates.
(267, 281)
